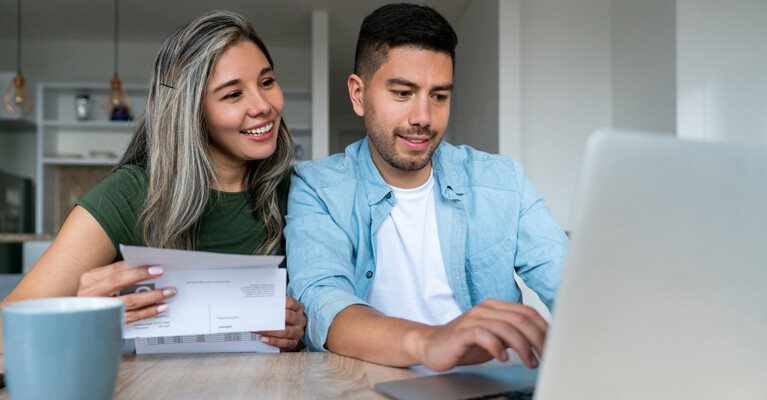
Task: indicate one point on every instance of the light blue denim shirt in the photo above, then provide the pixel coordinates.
(491, 222)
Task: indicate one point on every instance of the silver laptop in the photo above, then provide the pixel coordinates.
(664, 291)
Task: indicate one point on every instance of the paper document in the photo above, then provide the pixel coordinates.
(216, 293)
(242, 342)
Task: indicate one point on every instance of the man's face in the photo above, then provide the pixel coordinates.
(406, 107)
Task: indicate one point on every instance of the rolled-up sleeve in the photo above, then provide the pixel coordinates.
(541, 243)
(320, 261)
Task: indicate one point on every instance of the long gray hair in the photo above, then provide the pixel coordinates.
(171, 140)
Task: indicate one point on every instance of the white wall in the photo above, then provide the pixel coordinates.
(91, 61)
(565, 91)
(722, 70)
(474, 108)
(644, 65)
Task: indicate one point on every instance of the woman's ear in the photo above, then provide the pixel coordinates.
(356, 90)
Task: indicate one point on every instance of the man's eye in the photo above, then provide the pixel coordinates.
(441, 97)
(401, 93)
(232, 95)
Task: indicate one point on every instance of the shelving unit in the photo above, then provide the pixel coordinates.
(65, 141)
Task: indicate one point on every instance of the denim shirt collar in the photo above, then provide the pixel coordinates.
(375, 186)
(377, 189)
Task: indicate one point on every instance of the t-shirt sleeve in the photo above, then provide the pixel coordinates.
(116, 203)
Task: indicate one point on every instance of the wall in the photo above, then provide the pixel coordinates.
(474, 109)
(722, 70)
(565, 91)
(644, 65)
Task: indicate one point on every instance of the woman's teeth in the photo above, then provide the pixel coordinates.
(259, 131)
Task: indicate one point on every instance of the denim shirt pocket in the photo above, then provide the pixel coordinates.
(490, 273)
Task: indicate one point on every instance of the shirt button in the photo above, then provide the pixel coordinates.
(369, 274)
(388, 196)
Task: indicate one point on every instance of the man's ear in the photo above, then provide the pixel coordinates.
(356, 90)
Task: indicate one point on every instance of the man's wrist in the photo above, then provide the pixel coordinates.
(415, 341)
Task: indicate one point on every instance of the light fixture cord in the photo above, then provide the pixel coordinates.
(18, 36)
(117, 29)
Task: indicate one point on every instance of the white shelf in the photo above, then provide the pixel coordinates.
(79, 161)
(90, 125)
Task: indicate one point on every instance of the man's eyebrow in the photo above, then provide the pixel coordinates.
(401, 82)
(236, 81)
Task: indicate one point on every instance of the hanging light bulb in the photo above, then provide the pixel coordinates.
(115, 101)
(18, 98)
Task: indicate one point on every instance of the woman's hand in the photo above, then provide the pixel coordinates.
(288, 339)
(111, 279)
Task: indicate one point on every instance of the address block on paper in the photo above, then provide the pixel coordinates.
(217, 293)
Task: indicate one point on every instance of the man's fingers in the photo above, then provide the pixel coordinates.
(503, 322)
(505, 306)
(146, 312)
(514, 338)
(140, 300)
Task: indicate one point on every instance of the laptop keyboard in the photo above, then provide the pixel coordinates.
(523, 394)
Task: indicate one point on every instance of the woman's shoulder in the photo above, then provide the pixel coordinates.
(127, 174)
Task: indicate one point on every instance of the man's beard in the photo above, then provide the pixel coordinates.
(386, 145)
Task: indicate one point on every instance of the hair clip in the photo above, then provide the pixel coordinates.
(167, 86)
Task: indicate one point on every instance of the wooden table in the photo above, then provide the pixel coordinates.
(247, 375)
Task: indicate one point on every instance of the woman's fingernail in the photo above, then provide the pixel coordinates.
(162, 308)
(155, 270)
(264, 339)
(170, 291)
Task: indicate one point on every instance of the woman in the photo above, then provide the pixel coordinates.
(207, 169)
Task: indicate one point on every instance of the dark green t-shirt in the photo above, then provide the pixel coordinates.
(228, 225)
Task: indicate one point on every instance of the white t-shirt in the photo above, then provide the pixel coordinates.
(410, 280)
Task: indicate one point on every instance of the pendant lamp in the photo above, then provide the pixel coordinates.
(115, 101)
(18, 99)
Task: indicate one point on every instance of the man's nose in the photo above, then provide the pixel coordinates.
(420, 114)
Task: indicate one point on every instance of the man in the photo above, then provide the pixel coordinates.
(403, 249)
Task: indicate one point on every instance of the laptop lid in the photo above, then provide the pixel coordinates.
(663, 291)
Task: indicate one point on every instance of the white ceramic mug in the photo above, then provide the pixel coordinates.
(62, 348)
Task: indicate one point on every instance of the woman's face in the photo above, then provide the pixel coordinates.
(242, 107)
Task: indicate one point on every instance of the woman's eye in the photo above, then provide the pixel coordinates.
(267, 83)
(232, 95)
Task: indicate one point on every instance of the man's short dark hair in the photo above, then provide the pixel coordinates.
(396, 25)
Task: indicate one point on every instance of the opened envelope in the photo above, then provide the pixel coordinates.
(217, 293)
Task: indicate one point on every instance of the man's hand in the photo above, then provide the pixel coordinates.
(483, 333)
(295, 322)
(109, 280)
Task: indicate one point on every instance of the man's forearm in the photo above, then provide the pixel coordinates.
(364, 333)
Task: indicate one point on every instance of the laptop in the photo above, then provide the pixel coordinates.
(664, 290)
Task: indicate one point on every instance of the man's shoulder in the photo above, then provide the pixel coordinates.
(331, 170)
(474, 167)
